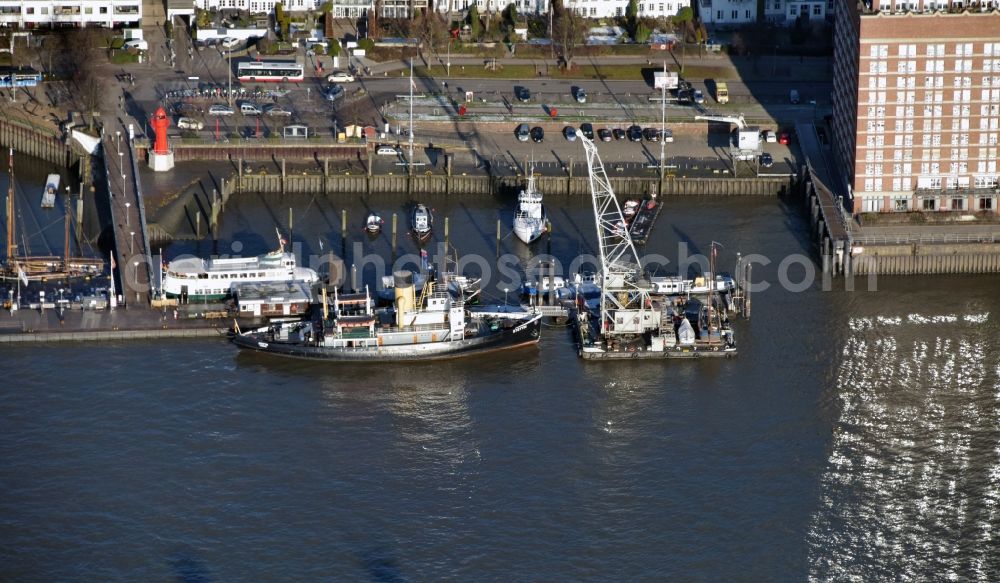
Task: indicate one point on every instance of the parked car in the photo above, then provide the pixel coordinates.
(340, 77)
(587, 129)
(522, 132)
(784, 138)
(770, 137)
(668, 135)
(634, 134)
(182, 108)
(604, 134)
(766, 160)
(651, 134)
(522, 94)
(276, 111)
(187, 123)
(699, 97)
(581, 96)
(219, 109)
(537, 134)
(793, 97)
(618, 133)
(570, 133)
(230, 42)
(136, 43)
(386, 151)
(249, 109)
(334, 92)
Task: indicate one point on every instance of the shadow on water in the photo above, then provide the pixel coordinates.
(188, 569)
(380, 565)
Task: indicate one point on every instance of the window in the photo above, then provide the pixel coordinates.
(718, 15)
(736, 14)
(901, 204)
(957, 204)
(818, 10)
(930, 204)
(871, 205)
(986, 203)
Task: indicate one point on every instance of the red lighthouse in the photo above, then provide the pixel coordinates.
(160, 123)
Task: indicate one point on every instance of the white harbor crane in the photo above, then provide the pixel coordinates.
(745, 144)
(625, 303)
(736, 120)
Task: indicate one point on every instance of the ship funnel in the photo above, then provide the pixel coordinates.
(403, 283)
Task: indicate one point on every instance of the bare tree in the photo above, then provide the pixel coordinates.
(81, 60)
(568, 32)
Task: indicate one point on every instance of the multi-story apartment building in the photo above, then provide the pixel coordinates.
(259, 6)
(63, 13)
(727, 12)
(787, 12)
(916, 115)
(586, 8)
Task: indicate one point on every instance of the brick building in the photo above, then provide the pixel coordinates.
(916, 104)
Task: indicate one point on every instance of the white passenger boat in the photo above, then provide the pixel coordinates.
(196, 279)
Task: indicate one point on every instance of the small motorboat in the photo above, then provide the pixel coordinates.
(373, 224)
(422, 222)
(629, 210)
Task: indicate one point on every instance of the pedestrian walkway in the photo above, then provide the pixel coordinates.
(131, 254)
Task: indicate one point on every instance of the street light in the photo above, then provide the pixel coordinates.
(136, 264)
(505, 290)
(131, 244)
(448, 61)
(123, 185)
(127, 205)
(118, 141)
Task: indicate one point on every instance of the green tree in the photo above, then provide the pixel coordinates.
(683, 16)
(511, 14)
(631, 17)
(475, 24)
(334, 49)
(642, 33)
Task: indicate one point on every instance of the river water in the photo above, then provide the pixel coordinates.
(856, 436)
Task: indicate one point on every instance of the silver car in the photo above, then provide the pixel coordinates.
(219, 109)
(187, 123)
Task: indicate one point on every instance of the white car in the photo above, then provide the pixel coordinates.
(340, 77)
(220, 110)
(230, 42)
(387, 151)
(136, 43)
(769, 137)
(188, 123)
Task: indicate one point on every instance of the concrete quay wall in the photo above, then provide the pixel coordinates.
(491, 185)
(927, 259)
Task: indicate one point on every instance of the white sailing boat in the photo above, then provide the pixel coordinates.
(529, 216)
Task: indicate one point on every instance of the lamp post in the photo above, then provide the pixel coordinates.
(127, 206)
(131, 243)
(505, 290)
(118, 141)
(136, 264)
(447, 62)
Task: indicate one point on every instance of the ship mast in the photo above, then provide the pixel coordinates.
(11, 239)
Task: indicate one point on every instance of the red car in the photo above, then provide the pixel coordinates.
(784, 138)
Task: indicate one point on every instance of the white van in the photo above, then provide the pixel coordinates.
(249, 109)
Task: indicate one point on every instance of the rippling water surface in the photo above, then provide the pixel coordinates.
(855, 437)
